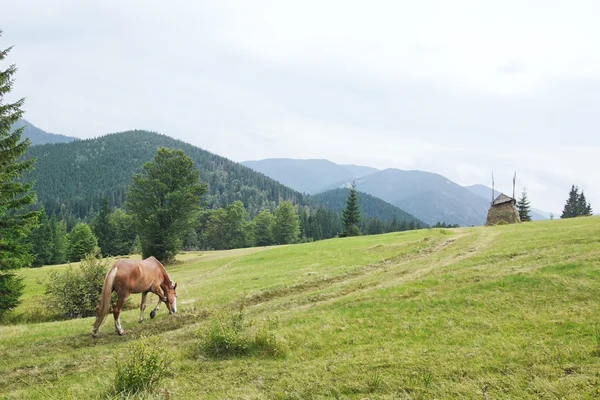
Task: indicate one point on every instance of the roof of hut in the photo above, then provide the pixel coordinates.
(502, 198)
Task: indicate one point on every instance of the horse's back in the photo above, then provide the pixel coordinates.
(136, 275)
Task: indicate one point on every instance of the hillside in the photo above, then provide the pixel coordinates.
(470, 313)
(370, 206)
(307, 176)
(430, 197)
(38, 136)
(80, 173)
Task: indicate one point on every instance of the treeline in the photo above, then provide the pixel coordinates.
(61, 238)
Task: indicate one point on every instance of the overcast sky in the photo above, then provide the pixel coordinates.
(453, 87)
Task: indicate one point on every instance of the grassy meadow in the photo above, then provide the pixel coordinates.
(506, 312)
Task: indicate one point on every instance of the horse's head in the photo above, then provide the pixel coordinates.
(171, 298)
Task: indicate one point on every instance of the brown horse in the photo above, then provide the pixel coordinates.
(132, 276)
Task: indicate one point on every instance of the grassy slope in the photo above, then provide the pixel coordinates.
(421, 314)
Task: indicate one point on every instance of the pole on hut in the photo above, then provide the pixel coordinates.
(514, 181)
(492, 187)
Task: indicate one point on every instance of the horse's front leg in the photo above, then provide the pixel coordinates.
(142, 307)
(117, 314)
(153, 312)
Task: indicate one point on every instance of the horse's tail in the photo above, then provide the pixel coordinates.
(104, 304)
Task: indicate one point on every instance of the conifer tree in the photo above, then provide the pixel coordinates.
(101, 228)
(583, 208)
(351, 214)
(15, 196)
(570, 208)
(263, 228)
(82, 242)
(523, 207)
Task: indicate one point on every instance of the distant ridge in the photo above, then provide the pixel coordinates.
(39, 136)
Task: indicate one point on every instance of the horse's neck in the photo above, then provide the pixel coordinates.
(166, 278)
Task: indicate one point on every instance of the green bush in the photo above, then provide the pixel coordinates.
(142, 367)
(75, 293)
(233, 335)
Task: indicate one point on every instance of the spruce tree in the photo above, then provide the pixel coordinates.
(15, 196)
(583, 208)
(523, 207)
(82, 242)
(570, 208)
(102, 229)
(351, 214)
(263, 228)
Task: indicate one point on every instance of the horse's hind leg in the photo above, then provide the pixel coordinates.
(142, 306)
(117, 314)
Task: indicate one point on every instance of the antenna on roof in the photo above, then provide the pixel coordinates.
(492, 187)
(514, 181)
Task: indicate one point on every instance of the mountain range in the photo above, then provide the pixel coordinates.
(73, 177)
(39, 136)
(308, 176)
(428, 196)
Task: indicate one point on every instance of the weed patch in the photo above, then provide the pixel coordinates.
(142, 367)
(234, 335)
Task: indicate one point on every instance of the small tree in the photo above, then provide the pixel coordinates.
(523, 207)
(583, 207)
(82, 242)
(351, 214)
(122, 231)
(15, 223)
(164, 200)
(286, 228)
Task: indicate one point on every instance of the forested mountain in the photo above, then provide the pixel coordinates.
(38, 136)
(79, 174)
(308, 176)
(430, 197)
(370, 206)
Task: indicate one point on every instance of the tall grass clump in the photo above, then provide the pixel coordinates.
(234, 335)
(142, 367)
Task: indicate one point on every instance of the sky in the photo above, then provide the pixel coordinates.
(457, 88)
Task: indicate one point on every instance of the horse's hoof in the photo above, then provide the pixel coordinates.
(152, 314)
(121, 333)
(140, 320)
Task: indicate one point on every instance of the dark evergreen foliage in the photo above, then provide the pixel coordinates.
(101, 228)
(351, 214)
(15, 221)
(82, 242)
(80, 174)
(576, 204)
(523, 206)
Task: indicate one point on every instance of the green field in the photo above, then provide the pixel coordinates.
(507, 312)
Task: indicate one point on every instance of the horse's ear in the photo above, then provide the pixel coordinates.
(175, 287)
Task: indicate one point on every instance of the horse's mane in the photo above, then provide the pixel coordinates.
(166, 277)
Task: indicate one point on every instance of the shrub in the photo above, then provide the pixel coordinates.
(75, 293)
(232, 336)
(142, 367)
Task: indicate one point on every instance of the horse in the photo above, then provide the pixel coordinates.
(130, 277)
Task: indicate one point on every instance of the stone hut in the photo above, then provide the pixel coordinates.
(503, 211)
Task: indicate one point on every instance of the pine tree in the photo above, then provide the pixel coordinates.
(583, 208)
(351, 214)
(164, 201)
(15, 196)
(42, 241)
(523, 207)
(570, 209)
(101, 228)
